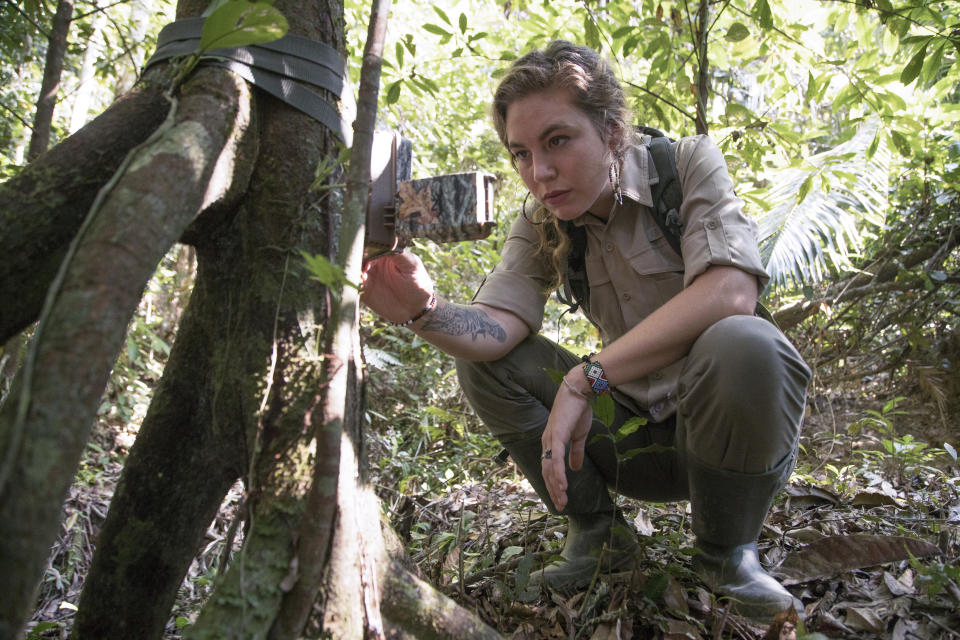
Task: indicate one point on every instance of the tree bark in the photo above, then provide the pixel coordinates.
(42, 208)
(50, 85)
(242, 395)
(42, 429)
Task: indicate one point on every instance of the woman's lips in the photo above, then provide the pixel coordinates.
(554, 198)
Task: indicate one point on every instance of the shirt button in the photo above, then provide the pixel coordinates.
(626, 296)
(609, 247)
(656, 375)
(711, 224)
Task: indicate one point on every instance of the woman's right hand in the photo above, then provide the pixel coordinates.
(396, 286)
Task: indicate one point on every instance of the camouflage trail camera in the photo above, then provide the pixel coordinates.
(447, 208)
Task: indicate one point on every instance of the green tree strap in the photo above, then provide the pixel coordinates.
(278, 67)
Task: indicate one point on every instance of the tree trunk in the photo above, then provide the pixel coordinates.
(42, 208)
(43, 430)
(50, 85)
(242, 395)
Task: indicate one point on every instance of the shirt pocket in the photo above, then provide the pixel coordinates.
(604, 308)
(654, 274)
(650, 252)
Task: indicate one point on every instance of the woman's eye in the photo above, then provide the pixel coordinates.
(556, 141)
(520, 156)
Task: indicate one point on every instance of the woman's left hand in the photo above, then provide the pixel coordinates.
(569, 421)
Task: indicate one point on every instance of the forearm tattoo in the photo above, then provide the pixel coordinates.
(458, 320)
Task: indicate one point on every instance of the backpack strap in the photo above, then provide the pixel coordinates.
(575, 290)
(666, 191)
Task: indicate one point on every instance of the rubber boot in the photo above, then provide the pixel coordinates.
(728, 509)
(592, 522)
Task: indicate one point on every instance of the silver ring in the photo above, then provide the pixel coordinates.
(547, 454)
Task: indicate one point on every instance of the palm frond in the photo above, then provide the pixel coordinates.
(812, 216)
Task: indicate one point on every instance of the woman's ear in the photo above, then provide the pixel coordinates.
(614, 135)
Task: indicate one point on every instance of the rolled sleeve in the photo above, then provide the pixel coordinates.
(716, 231)
(517, 284)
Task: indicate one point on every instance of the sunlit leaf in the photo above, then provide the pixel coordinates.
(912, 70)
(737, 32)
(432, 28)
(239, 23)
(800, 239)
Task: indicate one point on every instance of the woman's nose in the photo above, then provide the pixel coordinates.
(543, 168)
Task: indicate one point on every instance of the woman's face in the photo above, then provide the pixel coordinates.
(559, 154)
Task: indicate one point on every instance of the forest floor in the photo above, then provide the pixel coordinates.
(867, 535)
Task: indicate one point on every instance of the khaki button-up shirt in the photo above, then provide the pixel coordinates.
(631, 268)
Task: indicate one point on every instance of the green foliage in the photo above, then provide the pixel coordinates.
(327, 273)
(239, 23)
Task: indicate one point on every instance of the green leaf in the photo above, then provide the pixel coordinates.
(239, 23)
(443, 16)
(931, 67)
(398, 48)
(806, 187)
(182, 622)
(463, 23)
(761, 11)
(902, 143)
(912, 70)
(604, 408)
(734, 110)
(628, 427)
(630, 44)
(434, 29)
(555, 375)
(590, 32)
(325, 272)
(874, 144)
(393, 92)
(652, 448)
(737, 32)
(811, 92)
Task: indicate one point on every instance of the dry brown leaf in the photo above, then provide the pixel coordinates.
(864, 619)
(837, 554)
(868, 498)
(905, 629)
(901, 587)
(680, 630)
(617, 630)
(643, 524)
(799, 496)
(675, 597)
(805, 534)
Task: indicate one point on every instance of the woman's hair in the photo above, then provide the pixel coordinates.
(595, 90)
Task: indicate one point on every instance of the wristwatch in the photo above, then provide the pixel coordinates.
(595, 376)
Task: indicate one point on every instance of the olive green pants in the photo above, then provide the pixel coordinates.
(741, 397)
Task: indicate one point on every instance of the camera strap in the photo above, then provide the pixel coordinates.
(279, 67)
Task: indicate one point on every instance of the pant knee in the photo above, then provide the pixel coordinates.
(742, 395)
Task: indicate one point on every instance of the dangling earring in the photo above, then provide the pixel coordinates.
(614, 175)
(523, 210)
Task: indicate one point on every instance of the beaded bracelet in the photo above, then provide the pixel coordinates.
(427, 309)
(593, 370)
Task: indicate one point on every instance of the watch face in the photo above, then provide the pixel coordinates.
(594, 373)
